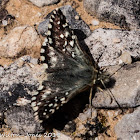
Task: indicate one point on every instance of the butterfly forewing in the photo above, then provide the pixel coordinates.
(67, 67)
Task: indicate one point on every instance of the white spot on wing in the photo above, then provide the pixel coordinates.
(22, 101)
(72, 43)
(65, 25)
(54, 59)
(51, 53)
(42, 58)
(44, 113)
(49, 32)
(51, 48)
(44, 96)
(47, 92)
(62, 99)
(44, 43)
(49, 26)
(55, 99)
(50, 105)
(66, 93)
(50, 41)
(67, 34)
(52, 110)
(45, 65)
(35, 93)
(73, 36)
(42, 50)
(73, 54)
(55, 105)
(64, 50)
(51, 20)
(58, 22)
(39, 103)
(33, 104)
(54, 12)
(62, 36)
(57, 108)
(52, 16)
(33, 98)
(36, 113)
(35, 108)
(66, 43)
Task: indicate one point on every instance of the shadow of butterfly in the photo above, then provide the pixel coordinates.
(69, 70)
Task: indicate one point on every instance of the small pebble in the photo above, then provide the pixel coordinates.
(95, 22)
(110, 114)
(87, 114)
(76, 17)
(61, 136)
(96, 138)
(125, 58)
(4, 22)
(41, 3)
(116, 40)
(80, 127)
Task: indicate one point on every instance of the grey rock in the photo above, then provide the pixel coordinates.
(41, 3)
(81, 29)
(17, 84)
(111, 44)
(124, 13)
(129, 126)
(125, 87)
(87, 114)
(16, 73)
(21, 121)
(61, 136)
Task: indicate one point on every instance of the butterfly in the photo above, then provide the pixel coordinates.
(69, 70)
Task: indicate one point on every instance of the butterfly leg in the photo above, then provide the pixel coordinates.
(90, 100)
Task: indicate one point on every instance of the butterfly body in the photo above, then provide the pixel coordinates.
(68, 68)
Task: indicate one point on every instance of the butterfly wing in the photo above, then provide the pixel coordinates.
(68, 69)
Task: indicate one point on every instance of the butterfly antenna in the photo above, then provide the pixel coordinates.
(111, 95)
(117, 70)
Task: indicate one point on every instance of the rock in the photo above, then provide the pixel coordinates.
(70, 127)
(17, 83)
(21, 121)
(125, 58)
(124, 13)
(111, 44)
(87, 114)
(61, 136)
(129, 126)
(20, 41)
(95, 22)
(81, 29)
(125, 87)
(41, 3)
(87, 124)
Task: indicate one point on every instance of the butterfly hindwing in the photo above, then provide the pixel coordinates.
(67, 67)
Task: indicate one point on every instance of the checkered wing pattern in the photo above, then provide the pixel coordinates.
(68, 69)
